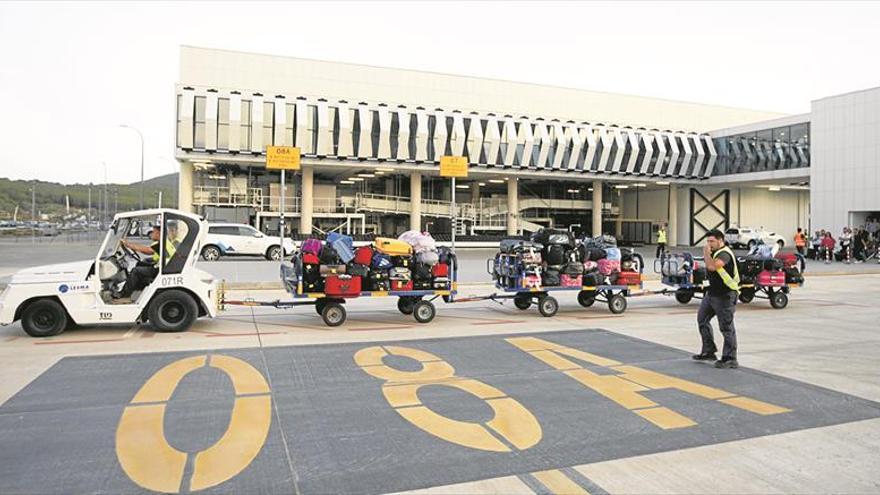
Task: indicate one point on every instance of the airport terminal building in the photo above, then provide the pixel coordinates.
(371, 140)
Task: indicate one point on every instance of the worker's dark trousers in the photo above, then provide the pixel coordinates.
(723, 307)
(140, 277)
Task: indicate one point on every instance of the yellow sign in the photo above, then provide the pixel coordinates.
(282, 158)
(453, 166)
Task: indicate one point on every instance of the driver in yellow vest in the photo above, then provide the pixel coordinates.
(719, 301)
(145, 272)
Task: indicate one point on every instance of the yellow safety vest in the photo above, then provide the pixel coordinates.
(661, 237)
(169, 251)
(732, 283)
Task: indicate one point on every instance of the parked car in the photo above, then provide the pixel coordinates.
(236, 239)
(747, 237)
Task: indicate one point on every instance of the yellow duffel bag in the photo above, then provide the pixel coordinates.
(392, 247)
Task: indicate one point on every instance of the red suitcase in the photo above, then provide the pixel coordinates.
(401, 285)
(310, 259)
(440, 270)
(629, 278)
(363, 255)
(775, 278)
(342, 285)
(788, 259)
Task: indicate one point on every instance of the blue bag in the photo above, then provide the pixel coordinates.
(382, 261)
(343, 244)
(612, 253)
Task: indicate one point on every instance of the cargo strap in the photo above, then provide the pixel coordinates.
(732, 283)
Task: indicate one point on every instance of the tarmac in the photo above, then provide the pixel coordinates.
(484, 399)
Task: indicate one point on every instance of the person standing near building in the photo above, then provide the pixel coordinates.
(719, 301)
(661, 241)
(846, 244)
(800, 241)
(828, 247)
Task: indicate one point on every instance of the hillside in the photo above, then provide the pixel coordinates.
(50, 195)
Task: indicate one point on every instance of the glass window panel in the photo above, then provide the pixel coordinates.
(223, 136)
(200, 108)
(199, 137)
(223, 111)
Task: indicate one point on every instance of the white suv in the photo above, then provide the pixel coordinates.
(236, 239)
(748, 237)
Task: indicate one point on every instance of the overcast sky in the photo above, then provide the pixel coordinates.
(71, 72)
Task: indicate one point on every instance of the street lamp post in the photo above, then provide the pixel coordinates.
(141, 135)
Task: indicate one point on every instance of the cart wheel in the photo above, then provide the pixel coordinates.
(586, 298)
(522, 303)
(548, 306)
(683, 296)
(746, 296)
(424, 311)
(319, 306)
(617, 304)
(333, 314)
(405, 305)
(778, 300)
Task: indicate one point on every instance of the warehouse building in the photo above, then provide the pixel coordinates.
(372, 137)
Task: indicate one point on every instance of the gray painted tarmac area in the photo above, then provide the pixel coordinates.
(332, 431)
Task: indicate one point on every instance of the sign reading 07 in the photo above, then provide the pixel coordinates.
(282, 158)
(453, 166)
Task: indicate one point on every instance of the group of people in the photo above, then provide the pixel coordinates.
(857, 245)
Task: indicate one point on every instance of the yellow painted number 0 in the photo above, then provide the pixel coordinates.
(144, 452)
(512, 422)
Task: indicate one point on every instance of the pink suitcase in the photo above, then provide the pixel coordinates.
(775, 278)
(569, 281)
(607, 267)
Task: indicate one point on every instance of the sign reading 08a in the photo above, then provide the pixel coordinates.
(282, 158)
(152, 463)
(453, 166)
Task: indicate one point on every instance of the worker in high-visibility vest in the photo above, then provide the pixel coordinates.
(144, 273)
(661, 241)
(719, 301)
(800, 241)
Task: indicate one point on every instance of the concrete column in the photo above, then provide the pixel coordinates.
(415, 195)
(475, 192)
(597, 208)
(308, 187)
(672, 227)
(513, 206)
(389, 186)
(185, 187)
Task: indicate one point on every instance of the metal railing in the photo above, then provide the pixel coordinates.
(225, 196)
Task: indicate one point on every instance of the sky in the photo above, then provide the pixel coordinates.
(71, 73)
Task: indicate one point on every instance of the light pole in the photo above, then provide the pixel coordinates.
(141, 135)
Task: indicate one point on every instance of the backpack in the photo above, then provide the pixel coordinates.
(421, 272)
(381, 261)
(328, 256)
(555, 255)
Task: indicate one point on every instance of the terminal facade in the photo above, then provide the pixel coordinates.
(371, 140)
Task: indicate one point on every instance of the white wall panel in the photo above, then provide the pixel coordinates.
(686, 155)
(303, 127)
(560, 143)
(632, 139)
(325, 130)
(620, 145)
(712, 157)
(648, 146)
(384, 151)
(674, 153)
(234, 121)
(491, 140)
(543, 141)
(344, 136)
(509, 138)
(187, 110)
(279, 128)
(458, 136)
(576, 140)
(421, 135)
(403, 134)
(661, 153)
(607, 140)
(474, 139)
(589, 138)
(525, 143)
(211, 120)
(257, 123)
(699, 156)
(441, 135)
(365, 131)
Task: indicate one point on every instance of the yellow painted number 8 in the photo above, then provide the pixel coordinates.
(512, 422)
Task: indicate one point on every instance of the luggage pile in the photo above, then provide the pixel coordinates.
(761, 270)
(554, 258)
(336, 268)
(683, 269)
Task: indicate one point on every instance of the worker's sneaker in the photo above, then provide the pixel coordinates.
(726, 364)
(704, 356)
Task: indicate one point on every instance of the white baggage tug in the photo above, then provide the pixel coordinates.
(48, 299)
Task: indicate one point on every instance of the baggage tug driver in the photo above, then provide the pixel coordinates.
(145, 272)
(720, 301)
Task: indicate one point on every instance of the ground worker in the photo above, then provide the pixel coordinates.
(800, 241)
(145, 272)
(720, 301)
(661, 241)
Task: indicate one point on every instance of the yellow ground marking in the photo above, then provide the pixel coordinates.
(144, 454)
(755, 406)
(665, 418)
(558, 483)
(624, 388)
(161, 385)
(511, 420)
(152, 463)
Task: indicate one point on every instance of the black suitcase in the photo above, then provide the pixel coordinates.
(328, 256)
(574, 268)
(402, 261)
(421, 272)
(359, 270)
(592, 279)
(550, 277)
(554, 255)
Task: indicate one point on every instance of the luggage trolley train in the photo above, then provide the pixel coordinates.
(554, 261)
(761, 277)
(328, 273)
